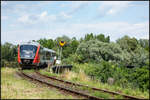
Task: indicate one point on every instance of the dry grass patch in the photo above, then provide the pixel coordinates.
(17, 88)
(70, 75)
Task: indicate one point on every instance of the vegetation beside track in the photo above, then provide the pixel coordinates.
(126, 61)
(14, 87)
(82, 78)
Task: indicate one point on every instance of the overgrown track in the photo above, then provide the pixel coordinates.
(96, 89)
(40, 79)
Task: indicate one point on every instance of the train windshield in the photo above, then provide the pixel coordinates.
(28, 51)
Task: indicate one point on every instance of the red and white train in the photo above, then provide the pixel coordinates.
(33, 55)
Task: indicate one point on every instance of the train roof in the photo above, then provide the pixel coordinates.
(30, 43)
(36, 43)
(49, 50)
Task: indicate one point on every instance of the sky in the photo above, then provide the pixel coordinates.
(22, 21)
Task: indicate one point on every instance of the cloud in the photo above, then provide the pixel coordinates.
(43, 14)
(78, 5)
(4, 17)
(113, 29)
(64, 15)
(34, 24)
(43, 17)
(23, 7)
(112, 7)
(3, 3)
(74, 6)
(34, 18)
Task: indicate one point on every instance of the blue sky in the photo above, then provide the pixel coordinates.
(22, 21)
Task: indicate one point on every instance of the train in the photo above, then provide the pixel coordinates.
(34, 55)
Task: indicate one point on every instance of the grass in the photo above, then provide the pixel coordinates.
(116, 88)
(14, 87)
(101, 95)
(28, 71)
(82, 78)
(118, 97)
(48, 73)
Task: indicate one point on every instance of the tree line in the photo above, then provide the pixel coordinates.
(128, 55)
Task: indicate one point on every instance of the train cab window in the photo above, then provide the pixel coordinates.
(28, 50)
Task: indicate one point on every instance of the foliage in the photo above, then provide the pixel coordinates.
(97, 56)
(9, 55)
(70, 48)
(137, 54)
(130, 44)
(99, 37)
(124, 77)
(80, 77)
(142, 77)
(144, 43)
(102, 38)
(97, 51)
(47, 43)
(9, 51)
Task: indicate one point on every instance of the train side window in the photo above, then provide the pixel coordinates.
(44, 55)
(48, 55)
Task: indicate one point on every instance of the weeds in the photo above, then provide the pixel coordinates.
(18, 88)
(82, 78)
(101, 95)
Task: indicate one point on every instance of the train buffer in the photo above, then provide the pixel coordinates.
(61, 68)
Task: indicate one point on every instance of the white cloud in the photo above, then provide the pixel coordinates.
(43, 17)
(33, 18)
(3, 3)
(24, 19)
(114, 29)
(112, 7)
(77, 5)
(64, 15)
(51, 25)
(43, 14)
(4, 17)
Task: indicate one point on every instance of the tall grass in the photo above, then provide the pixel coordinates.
(80, 77)
(97, 83)
(14, 87)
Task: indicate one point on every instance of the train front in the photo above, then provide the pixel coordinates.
(28, 55)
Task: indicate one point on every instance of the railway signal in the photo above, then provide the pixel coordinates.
(62, 43)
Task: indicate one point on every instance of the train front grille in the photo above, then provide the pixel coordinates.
(27, 61)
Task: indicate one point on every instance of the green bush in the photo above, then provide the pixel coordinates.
(96, 51)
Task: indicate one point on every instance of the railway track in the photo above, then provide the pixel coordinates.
(95, 89)
(71, 87)
(44, 80)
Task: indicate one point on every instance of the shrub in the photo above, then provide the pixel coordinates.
(98, 51)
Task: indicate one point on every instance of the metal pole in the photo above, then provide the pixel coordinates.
(60, 54)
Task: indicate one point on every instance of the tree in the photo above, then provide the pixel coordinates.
(47, 43)
(102, 38)
(98, 51)
(130, 44)
(74, 44)
(89, 37)
(9, 54)
(138, 55)
(9, 51)
(144, 43)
